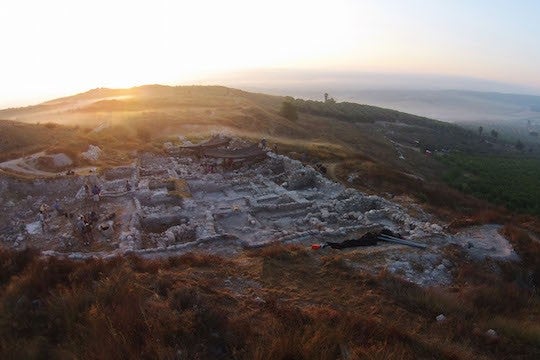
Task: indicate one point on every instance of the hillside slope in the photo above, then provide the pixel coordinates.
(274, 303)
(196, 109)
(373, 143)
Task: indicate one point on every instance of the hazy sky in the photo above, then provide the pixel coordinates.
(58, 47)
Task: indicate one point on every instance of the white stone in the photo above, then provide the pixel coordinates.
(440, 318)
(81, 194)
(34, 228)
(352, 177)
(325, 213)
(168, 145)
(92, 154)
(258, 300)
(170, 237)
(61, 160)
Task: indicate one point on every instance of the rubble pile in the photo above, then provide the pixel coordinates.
(276, 199)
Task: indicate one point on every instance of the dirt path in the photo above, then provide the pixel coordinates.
(23, 165)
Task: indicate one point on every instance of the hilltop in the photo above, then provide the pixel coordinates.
(195, 110)
(196, 255)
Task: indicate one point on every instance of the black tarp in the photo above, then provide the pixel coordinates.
(369, 239)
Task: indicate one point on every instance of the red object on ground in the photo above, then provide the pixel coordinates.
(315, 246)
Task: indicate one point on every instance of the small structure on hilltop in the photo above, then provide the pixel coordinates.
(212, 143)
(253, 152)
(219, 147)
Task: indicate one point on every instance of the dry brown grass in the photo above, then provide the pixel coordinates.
(278, 302)
(492, 215)
(279, 251)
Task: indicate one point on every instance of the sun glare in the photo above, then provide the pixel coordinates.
(119, 44)
(60, 46)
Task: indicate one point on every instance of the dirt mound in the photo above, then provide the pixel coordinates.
(485, 241)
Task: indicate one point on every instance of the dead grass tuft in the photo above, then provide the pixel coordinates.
(416, 299)
(502, 298)
(481, 217)
(128, 307)
(12, 263)
(522, 331)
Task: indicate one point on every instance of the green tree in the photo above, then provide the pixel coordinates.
(495, 133)
(519, 145)
(328, 99)
(288, 111)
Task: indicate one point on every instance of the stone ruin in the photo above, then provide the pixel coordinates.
(178, 203)
(276, 199)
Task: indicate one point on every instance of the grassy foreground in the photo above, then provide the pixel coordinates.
(274, 303)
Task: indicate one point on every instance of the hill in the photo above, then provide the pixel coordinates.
(180, 266)
(456, 106)
(382, 146)
(195, 109)
(513, 116)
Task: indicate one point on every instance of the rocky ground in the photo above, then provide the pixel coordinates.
(168, 205)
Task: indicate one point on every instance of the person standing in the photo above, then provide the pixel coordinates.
(95, 192)
(42, 220)
(87, 190)
(59, 211)
(79, 224)
(44, 209)
(87, 232)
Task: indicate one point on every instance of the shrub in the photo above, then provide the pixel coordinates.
(13, 262)
(288, 111)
